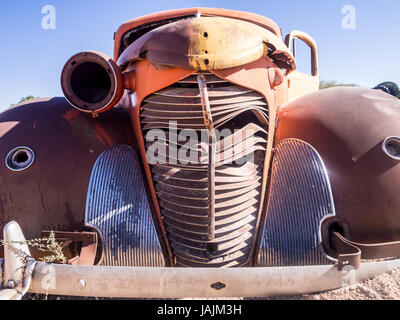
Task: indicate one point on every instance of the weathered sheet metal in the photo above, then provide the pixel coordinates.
(212, 213)
(364, 179)
(117, 207)
(50, 194)
(300, 198)
(153, 282)
(252, 76)
(131, 30)
(183, 190)
(18, 267)
(142, 283)
(92, 82)
(207, 43)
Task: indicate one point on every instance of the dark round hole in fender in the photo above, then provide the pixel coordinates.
(391, 147)
(19, 158)
(90, 82)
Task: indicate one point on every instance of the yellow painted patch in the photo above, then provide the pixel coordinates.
(219, 43)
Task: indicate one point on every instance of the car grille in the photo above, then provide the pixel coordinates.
(228, 186)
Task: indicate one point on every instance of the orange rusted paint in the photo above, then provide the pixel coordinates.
(151, 81)
(253, 75)
(206, 41)
(207, 12)
(239, 48)
(129, 77)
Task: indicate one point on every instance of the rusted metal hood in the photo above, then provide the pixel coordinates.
(208, 43)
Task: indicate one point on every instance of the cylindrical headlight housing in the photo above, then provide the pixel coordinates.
(92, 82)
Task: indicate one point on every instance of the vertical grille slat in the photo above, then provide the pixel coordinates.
(185, 193)
(119, 210)
(301, 197)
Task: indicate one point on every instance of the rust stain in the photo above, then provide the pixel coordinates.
(100, 132)
(42, 198)
(98, 136)
(34, 125)
(71, 115)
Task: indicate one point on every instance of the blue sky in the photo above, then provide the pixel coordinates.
(31, 58)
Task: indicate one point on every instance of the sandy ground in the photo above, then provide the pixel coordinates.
(382, 287)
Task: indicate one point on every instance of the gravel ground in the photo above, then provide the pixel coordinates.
(383, 287)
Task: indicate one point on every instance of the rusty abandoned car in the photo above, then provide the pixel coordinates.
(199, 162)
